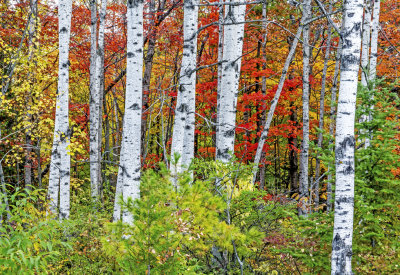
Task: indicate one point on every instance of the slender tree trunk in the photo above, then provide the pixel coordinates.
(96, 110)
(263, 87)
(183, 132)
(130, 162)
(275, 100)
(374, 57)
(365, 43)
(303, 182)
(345, 142)
(227, 99)
(59, 181)
(31, 79)
(322, 111)
(219, 72)
(332, 115)
(374, 39)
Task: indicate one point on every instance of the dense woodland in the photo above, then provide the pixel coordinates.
(200, 137)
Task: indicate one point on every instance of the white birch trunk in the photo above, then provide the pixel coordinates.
(189, 80)
(184, 123)
(374, 56)
(374, 40)
(303, 182)
(96, 109)
(130, 164)
(365, 55)
(345, 141)
(332, 115)
(220, 53)
(275, 100)
(59, 181)
(227, 100)
(365, 43)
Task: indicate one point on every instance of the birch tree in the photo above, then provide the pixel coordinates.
(59, 180)
(365, 43)
(345, 141)
(374, 56)
(96, 108)
(303, 209)
(183, 132)
(227, 100)
(128, 181)
(374, 39)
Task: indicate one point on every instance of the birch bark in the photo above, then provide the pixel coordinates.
(365, 43)
(374, 39)
(345, 141)
(227, 100)
(183, 132)
(130, 164)
(322, 110)
(303, 182)
(96, 109)
(332, 115)
(59, 180)
(220, 53)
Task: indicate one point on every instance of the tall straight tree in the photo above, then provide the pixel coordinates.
(183, 133)
(96, 108)
(374, 39)
(303, 182)
(227, 100)
(345, 141)
(366, 33)
(59, 180)
(129, 169)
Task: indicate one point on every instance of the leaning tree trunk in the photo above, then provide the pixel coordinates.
(227, 100)
(303, 182)
(59, 181)
(96, 109)
(345, 141)
(130, 164)
(183, 133)
(275, 100)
